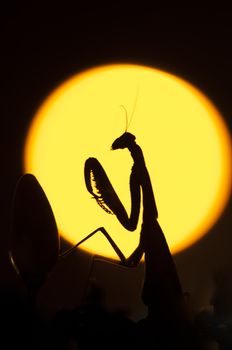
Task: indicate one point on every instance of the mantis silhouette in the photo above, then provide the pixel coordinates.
(161, 279)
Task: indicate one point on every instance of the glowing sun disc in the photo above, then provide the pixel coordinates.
(186, 145)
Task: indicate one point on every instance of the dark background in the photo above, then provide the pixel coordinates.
(43, 46)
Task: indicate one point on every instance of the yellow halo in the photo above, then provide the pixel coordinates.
(186, 144)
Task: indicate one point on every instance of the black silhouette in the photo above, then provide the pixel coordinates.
(216, 325)
(34, 240)
(162, 292)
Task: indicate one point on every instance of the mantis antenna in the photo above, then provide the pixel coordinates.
(133, 111)
(126, 117)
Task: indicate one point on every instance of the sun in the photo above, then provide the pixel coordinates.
(186, 145)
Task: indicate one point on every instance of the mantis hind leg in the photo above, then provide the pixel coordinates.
(135, 258)
(106, 234)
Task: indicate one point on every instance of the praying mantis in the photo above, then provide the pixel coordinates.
(161, 279)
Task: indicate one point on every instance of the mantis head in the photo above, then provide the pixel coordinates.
(124, 141)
